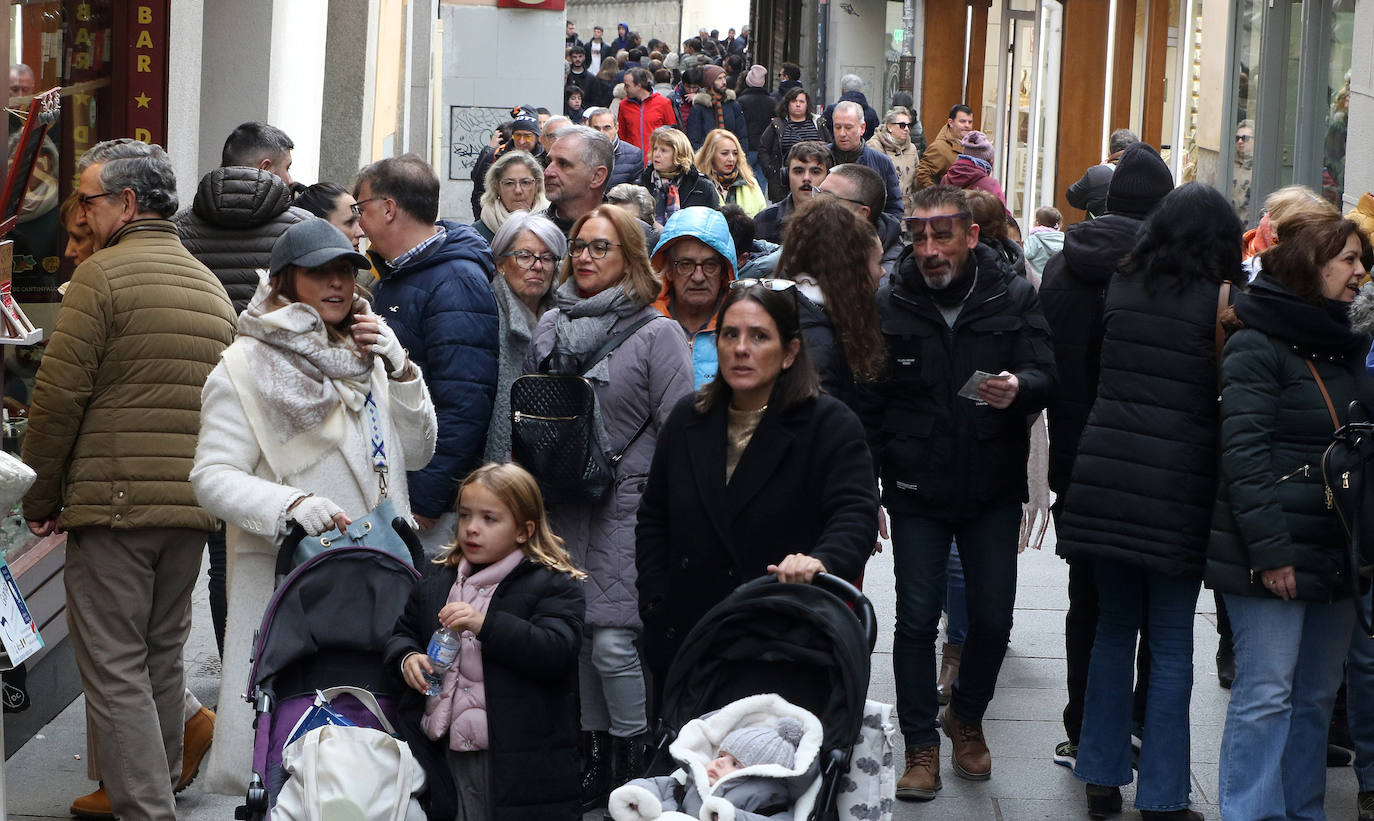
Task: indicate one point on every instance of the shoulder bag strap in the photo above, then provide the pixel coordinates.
(1223, 301)
(1326, 397)
(374, 425)
(615, 342)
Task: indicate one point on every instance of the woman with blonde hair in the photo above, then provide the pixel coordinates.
(893, 138)
(607, 287)
(721, 160)
(515, 182)
(672, 177)
(1280, 207)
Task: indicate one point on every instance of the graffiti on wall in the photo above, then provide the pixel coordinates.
(469, 130)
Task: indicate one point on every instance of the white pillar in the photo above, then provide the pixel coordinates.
(1359, 159)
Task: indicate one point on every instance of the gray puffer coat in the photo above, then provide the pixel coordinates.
(649, 373)
(236, 217)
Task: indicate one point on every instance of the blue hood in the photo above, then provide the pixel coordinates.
(700, 223)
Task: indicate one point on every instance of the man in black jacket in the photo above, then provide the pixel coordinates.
(808, 164)
(1074, 292)
(1090, 192)
(968, 365)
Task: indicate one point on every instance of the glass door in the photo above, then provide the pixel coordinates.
(1036, 137)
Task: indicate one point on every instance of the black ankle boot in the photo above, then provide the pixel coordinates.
(1103, 801)
(627, 759)
(596, 761)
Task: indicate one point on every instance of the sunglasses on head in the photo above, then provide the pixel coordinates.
(941, 227)
(770, 284)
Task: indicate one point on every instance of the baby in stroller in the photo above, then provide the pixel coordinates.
(752, 760)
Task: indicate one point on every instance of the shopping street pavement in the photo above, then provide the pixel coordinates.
(1022, 723)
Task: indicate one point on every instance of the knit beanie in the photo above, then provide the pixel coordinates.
(524, 121)
(1140, 181)
(709, 74)
(757, 76)
(976, 144)
(765, 745)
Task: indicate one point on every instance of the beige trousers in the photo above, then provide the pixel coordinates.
(129, 613)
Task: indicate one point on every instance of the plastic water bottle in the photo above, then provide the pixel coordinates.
(443, 654)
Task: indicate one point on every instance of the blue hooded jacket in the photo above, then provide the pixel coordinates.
(443, 312)
(709, 226)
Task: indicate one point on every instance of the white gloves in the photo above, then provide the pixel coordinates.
(315, 514)
(633, 803)
(715, 808)
(388, 347)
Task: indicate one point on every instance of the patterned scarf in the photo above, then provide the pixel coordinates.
(892, 145)
(718, 100)
(724, 182)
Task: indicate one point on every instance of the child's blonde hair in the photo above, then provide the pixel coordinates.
(519, 492)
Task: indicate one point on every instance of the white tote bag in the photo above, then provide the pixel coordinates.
(350, 773)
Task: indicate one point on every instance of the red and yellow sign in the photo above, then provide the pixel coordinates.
(140, 87)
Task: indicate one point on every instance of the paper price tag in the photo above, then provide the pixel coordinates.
(18, 631)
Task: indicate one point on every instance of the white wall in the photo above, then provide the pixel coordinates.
(857, 43)
(236, 63)
(183, 96)
(517, 60)
(295, 98)
(647, 18)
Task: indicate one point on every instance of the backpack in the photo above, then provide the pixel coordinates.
(554, 429)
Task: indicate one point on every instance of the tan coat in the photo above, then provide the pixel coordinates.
(116, 402)
(905, 162)
(939, 156)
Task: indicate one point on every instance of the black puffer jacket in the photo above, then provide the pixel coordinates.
(530, 640)
(236, 217)
(758, 113)
(1145, 478)
(1073, 291)
(824, 351)
(1271, 511)
(941, 455)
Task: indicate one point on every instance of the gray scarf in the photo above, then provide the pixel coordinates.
(584, 325)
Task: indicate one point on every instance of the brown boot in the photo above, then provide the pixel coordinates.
(200, 731)
(949, 670)
(95, 805)
(921, 780)
(971, 757)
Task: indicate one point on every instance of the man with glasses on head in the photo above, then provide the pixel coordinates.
(808, 164)
(435, 293)
(629, 161)
(968, 364)
(696, 260)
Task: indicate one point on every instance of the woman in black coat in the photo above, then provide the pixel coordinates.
(758, 472)
(1139, 502)
(1278, 551)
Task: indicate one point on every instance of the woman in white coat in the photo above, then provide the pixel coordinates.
(286, 439)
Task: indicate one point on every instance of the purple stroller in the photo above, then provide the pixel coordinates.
(326, 626)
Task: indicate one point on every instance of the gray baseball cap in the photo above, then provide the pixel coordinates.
(312, 243)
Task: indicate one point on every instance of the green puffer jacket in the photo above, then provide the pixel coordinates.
(1271, 510)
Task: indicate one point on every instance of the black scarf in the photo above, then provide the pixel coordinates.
(955, 292)
(1323, 329)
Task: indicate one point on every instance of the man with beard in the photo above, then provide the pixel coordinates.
(808, 163)
(968, 363)
(594, 92)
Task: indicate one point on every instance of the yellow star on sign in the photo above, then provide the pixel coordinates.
(143, 100)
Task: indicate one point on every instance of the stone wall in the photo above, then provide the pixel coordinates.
(648, 18)
(1359, 164)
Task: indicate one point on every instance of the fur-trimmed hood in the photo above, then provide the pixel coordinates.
(1362, 311)
(703, 98)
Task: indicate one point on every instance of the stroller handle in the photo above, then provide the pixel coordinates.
(846, 592)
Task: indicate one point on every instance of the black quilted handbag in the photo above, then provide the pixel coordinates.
(554, 434)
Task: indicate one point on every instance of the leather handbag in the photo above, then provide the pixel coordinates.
(555, 434)
(381, 529)
(1345, 476)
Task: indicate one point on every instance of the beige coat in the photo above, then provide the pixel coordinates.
(116, 402)
(905, 162)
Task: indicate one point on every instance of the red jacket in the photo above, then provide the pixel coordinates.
(637, 120)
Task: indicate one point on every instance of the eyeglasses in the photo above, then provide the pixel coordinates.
(941, 227)
(899, 124)
(770, 284)
(528, 182)
(817, 192)
(527, 259)
(84, 200)
(687, 267)
(597, 248)
(358, 206)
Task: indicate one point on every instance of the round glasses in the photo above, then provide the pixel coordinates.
(687, 267)
(597, 248)
(526, 259)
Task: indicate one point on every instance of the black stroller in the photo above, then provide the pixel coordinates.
(325, 626)
(809, 643)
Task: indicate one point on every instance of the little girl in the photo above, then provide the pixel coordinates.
(507, 750)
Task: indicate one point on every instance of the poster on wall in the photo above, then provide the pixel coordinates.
(469, 130)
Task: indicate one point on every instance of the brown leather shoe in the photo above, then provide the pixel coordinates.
(95, 805)
(921, 780)
(949, 670)
(971, 757)
(200, 731)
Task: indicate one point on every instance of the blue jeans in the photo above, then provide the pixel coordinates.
(956, 609)
(920, 548)
(1289, 657)
(1359, 702)
(1166, 605)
